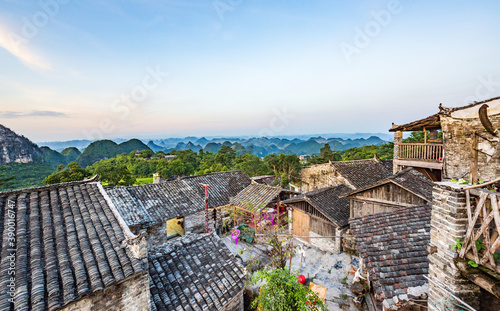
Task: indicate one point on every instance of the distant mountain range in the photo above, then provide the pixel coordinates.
(16, 148)
(256, 145)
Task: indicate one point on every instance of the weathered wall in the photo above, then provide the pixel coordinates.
(458, 144)
(327, 244)
(448, 222)
(384, 198)
(320, 176)
(236, 304)
(196, 223)
(130, 295)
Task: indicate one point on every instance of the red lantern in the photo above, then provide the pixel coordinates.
(302, 279)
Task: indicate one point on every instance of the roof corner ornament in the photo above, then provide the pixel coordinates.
(444, 110)
(485, 121)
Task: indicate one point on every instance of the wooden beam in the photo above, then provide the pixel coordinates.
(424, 164)
(482, 185)
(477, 277)
(474, 160)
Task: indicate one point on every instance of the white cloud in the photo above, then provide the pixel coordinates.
(17, 45)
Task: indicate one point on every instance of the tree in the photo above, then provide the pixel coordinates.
(5, 181)
(113, 172)
(72, 172)
(250, 164)
(225, 156)
(326, 154)
(282, 291)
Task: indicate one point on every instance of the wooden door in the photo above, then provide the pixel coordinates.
(301, 224)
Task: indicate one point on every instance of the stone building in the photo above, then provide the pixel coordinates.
(468, 148)
(354, 174)
(405, 188)
(196, 272)
(393, 251)
(453, 281)
(178, 204)
(66, 247)
(320, 213)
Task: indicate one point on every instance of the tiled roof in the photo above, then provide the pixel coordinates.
(153, 203)
(327, 201)
(393, 248)
(409, 179)
(67, 244)
(194, 272)
(361, 173)
(256, 196)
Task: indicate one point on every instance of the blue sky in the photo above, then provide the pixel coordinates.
(101, 69)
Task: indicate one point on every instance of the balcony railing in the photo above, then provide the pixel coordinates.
(420, 152)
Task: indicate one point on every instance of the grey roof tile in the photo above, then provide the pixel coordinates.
(154, 203)
(194, 272)
(393, 247)
(68, 244)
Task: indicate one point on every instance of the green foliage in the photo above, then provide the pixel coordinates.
(73, 172)
(113, 172)
(472, 263)
(71, 154)
(53, 157)
(287, 166)
(282, 291)
(384, 152)
(5, 181)
(326, 154)
(458, 245)
(27, 174)
(225, 156)
(106, 149)
(251, 165)
(418, 137)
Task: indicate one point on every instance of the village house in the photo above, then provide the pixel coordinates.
(66, 247)
(196, 272)
(404, 189)
(354, 174)
(465, 225)
(320, 213)
(176, 207)
(259, 204)
(393, 251)
(466, 149)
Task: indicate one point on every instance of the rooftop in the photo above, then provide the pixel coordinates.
(68, 244)
(328, 202)
(153, 203)
(393, 247)
(256, 197)
(194, 272)
(362, 173)
(409, 179)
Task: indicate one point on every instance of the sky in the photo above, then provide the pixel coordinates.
(99, 69)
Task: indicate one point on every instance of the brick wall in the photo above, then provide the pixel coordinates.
(448, 222)
(457, 148)
(132, 294)
(320, 176)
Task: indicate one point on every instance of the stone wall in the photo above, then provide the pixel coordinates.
(320, 176)
(448, 222)
(236, 304)
(458, 144)
(132, 294)
(327, 244)
(196, 223)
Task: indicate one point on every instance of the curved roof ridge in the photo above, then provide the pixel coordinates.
(95, 178)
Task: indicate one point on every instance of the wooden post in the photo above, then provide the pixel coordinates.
(425, 136)
(474, 160)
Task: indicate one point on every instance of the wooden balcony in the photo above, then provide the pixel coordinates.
(424, 155)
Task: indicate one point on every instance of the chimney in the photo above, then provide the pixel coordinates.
(157, 178)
